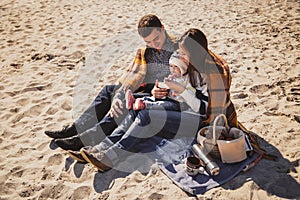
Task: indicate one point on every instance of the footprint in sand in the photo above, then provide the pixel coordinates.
(36, 129)
(291, 89)
(259, 89)
(81, 192)
(66, 106)
(53, 192)
(54, 96)
(56, 159)
(25, 193)
(7, 116)
(17, 171)
(52, 111)
(18, 118)
(9, 187)
(11, 94)
(240, 96)
(23, 101)
(156, 196)
(43, 146)
(35, 110)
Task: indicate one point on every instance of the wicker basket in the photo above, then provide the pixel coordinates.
(220, 148)
(207, 137)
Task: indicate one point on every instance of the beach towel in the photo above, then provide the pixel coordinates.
(171, 156)
(201, 183)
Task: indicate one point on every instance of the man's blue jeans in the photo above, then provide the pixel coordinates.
(146, 125)
(94, 124)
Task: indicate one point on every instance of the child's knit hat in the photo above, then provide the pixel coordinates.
(175, 60)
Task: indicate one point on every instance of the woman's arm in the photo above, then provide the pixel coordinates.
(198, 102)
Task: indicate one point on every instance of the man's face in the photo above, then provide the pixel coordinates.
(156, 39)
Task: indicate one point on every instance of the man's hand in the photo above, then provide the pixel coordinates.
(116, 107)
(158, 92)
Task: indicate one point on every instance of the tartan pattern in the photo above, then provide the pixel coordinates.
(218, 80)
(158, 63)
(136, 73)
(218, 84)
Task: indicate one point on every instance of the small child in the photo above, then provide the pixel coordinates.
(174, 102)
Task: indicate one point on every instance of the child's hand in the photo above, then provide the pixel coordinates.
(171, 77)
(176, 87)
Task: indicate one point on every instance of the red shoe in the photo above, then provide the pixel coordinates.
(139, 104)
(129, 99)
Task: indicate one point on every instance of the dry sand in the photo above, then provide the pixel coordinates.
(49, 48)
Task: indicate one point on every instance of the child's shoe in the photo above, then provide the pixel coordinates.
(139, 104)
(129, 99)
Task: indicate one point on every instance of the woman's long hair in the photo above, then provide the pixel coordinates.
(194, 41)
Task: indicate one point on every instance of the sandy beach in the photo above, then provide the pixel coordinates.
(56, 56)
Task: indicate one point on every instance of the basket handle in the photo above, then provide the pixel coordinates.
(215, 124)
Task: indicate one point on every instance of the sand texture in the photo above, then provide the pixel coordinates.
(55, 56)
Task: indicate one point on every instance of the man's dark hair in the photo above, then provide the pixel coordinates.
(147, 24)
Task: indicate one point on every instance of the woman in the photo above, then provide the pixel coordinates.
(205, 68)
(194, 50)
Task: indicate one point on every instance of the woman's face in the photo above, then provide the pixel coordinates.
(184, 55)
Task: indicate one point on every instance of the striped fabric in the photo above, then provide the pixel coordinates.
(218, 81)
(137, 72)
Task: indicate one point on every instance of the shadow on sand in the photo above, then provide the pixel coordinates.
(271, 176)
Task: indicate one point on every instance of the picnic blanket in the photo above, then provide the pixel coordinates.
(171, 156)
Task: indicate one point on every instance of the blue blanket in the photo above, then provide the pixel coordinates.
(171, 155)
(200, 183)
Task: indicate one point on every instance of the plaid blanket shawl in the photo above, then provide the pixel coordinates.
(218, 82)
(136, 72)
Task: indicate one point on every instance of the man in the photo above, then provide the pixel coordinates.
(108, 110)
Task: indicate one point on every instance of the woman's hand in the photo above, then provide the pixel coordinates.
(176, 87)
(158, 92)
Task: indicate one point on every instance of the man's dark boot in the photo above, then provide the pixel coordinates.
(73, 143)
(66, 132)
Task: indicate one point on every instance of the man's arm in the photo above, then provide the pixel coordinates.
(130, 80)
